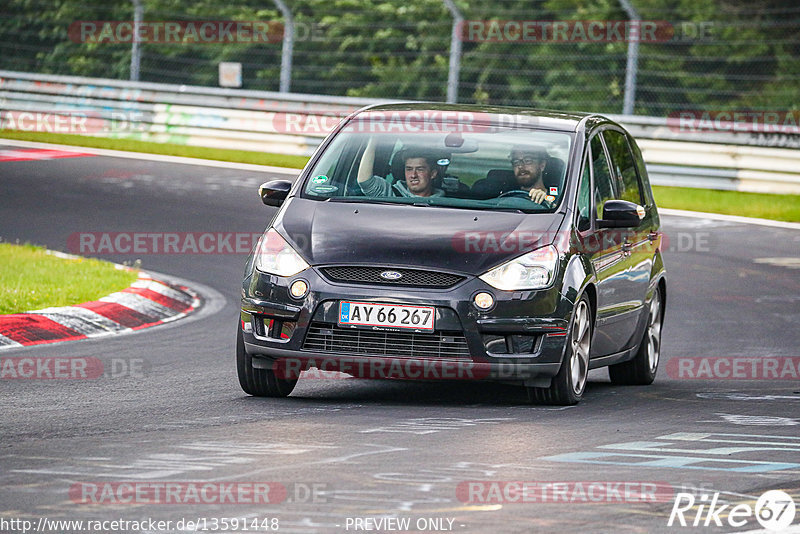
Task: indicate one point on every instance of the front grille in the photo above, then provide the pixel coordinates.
(410, 277)
(325, 337)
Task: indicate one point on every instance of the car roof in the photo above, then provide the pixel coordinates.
(548, 119)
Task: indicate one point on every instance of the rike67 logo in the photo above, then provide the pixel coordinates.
(774, 510)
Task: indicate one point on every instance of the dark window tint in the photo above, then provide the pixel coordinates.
(639, 160)
(603, 189)
(585, 198)
(624, 167)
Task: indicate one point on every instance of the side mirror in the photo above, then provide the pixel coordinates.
(273, 193)
(621, 214)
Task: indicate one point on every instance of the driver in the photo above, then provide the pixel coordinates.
(420, 171)
(528, 164)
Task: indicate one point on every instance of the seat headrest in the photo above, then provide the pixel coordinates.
(553, 171)
(500, 174)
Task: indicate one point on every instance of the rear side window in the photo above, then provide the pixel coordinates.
(603, 188)
(622, 163)
(640, 166)
(585, 198)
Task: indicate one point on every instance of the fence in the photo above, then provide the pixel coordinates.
(295, 124)
(557, 54)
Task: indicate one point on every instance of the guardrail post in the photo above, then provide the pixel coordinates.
(455, 52)
(136, 56)
(633, 58)
(288, 45)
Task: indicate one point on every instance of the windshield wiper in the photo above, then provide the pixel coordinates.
(406, 201)
(362, 200)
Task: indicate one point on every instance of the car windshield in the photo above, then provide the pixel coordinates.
(519, 169)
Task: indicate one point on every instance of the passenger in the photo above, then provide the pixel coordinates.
(420, 171)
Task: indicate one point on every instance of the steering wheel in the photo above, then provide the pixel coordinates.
(527, 195)
(516, 193)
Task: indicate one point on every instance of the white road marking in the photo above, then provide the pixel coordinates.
(154, 157)
(755, 420)
(431, 425)
(747, 397)
(790, 262)
(729, 218)
(6, 342)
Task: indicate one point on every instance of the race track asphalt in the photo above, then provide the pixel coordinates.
(351, 450)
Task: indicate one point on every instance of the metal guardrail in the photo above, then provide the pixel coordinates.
(295, 124)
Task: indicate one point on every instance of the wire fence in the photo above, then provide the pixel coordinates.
(559, 54)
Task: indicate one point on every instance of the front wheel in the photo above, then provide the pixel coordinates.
(568, 385)
(641, 370)
(258, 382)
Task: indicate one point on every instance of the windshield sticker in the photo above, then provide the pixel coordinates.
(549, 198)
(321, 179)
(443, 161)
(553, 190)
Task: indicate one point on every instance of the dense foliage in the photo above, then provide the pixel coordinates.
(724, 54)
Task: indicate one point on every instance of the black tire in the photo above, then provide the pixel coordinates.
(258, 382)
(568, 386)
(641, 370)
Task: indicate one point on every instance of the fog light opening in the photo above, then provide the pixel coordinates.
(483, 301)
(298, 289)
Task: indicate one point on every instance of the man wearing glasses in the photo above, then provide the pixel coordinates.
(525, 176)
(528, 165)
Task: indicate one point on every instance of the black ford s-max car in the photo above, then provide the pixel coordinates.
(445, 242)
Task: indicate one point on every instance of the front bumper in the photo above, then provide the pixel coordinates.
(521, 339)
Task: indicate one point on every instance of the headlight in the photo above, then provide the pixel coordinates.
(275, 256)
(534, 270)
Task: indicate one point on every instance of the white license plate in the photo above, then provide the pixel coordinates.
(385, 315)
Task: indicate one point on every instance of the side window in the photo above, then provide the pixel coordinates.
(585, 198)
(640, 166)
(603, 189)
(624, 167)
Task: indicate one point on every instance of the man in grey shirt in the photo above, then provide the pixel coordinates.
(420, 172)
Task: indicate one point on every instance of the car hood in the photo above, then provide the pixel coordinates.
(461, 240)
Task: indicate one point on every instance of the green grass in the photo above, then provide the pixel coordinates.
(31, 279)
(170, 149)
(761, 205)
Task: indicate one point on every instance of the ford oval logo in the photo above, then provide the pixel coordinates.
(391, 275)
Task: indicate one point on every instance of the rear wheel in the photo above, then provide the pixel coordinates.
(568, 385)
(258, 382)
(641, 370)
